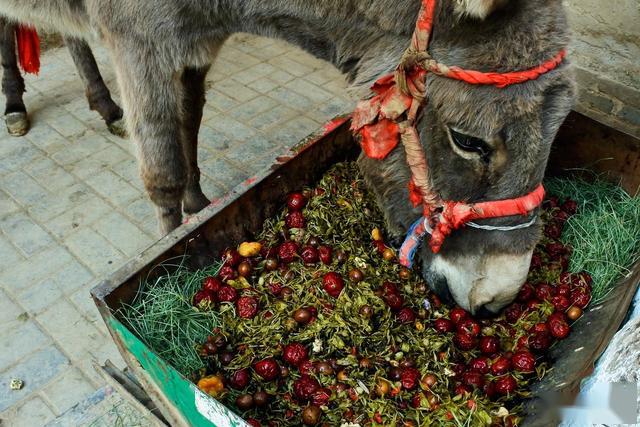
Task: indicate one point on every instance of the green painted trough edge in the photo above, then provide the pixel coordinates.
(197, 407)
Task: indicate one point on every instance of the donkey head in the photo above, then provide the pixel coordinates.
(484, 143)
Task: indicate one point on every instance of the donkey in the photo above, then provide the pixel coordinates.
(481, 142)
(98, 95)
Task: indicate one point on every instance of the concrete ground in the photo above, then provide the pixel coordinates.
(73, 209)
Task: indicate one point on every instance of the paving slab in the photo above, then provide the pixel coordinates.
(35, 370)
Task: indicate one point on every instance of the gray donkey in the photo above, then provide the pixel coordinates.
(481, 142)
(98, 95)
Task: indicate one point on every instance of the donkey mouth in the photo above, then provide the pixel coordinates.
(438, 284)
(482, 284)
(440, 287)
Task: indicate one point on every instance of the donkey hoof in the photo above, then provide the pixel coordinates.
(118, 128)
(168, 219)
(17, 123)
(194, 202)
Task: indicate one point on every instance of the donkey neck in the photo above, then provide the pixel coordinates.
(362, 38)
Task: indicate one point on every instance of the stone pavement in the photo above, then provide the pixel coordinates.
(73, 209)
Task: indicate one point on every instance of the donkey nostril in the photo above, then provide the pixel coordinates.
(440, 286)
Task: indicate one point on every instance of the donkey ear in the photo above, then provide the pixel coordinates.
(478, 8)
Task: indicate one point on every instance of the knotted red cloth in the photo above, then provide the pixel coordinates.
(389, 117)
(28, 49)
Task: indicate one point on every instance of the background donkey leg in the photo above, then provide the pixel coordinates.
(15, 113)
(97, 92)
(150, 93)
(193, 81)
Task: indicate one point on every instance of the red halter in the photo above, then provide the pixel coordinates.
(389, 117)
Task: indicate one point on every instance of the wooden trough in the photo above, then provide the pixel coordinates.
(581, 144)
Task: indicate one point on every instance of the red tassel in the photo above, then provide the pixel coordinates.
(28, 49)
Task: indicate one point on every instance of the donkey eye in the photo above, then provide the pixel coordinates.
(470, 143)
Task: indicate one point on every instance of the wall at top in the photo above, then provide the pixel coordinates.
(606, 53)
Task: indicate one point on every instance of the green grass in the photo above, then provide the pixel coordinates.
(163, 317)
(604, 234)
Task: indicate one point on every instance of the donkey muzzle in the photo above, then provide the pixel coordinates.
(481, 283)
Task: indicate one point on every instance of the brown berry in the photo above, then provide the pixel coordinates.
(356, 275)
(341, 256)
(382, 387)
(394, 374)
(302, 316)
(244, 269)
(271, 264)
(225, 358)
(311, 415)
(210, 348)
(244, 401)
(365, 363)
(260, 398)
(574, 313)
(342, 375)
(407, 363)
(405, 273)
(432, 399)
(286, 293)
(388, 254)
(428, 380)
(324, 368)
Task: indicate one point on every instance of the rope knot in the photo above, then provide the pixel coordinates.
(410, 72)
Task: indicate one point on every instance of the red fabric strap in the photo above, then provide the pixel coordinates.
(505, 79)
(459, 213)
(28, 49)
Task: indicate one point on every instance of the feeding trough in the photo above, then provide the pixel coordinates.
(581, 144)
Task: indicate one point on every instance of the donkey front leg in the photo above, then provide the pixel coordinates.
(97, 92)
(150, 92)
(193, 82)
(15, 113)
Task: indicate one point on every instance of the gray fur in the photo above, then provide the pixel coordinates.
(152, 43)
